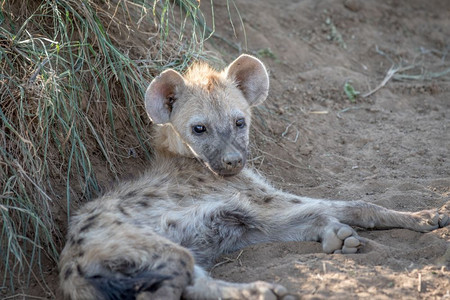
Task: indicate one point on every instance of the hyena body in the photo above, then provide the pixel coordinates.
(152, 237)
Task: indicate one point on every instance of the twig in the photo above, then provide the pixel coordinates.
(424, 76)
(382, 53)
(338, 114)
(419, 284)
(286, 131)
(390, 73)
(228, 260)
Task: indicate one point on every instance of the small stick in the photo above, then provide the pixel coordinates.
(286, 131)
(345, 110)
(425, 76)
(419, 286)
(390, 73)
(228, 260)
(324, 265)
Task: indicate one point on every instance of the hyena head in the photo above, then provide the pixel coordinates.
(206, 114)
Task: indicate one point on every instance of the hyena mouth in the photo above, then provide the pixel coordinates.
(231, 165)
(228, 173)
(221, 171)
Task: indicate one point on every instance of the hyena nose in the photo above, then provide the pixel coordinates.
(232, 160)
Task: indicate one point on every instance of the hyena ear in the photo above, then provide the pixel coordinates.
(251, 78)
(162, 94)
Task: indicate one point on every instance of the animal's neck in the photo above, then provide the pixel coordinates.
(167, 141)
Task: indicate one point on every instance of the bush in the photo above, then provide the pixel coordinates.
(72, 77)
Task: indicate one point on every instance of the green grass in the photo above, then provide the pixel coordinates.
(350, 91)
(69, 80)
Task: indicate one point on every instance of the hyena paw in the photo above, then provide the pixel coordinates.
(427, 220)
(340, 238)
(259, 290)
(444, 215)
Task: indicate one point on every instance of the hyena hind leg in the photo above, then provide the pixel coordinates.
(176, 265)
(338, 237)
(367, 215)
(141, 268)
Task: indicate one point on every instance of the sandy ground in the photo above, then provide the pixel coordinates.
(391, 148)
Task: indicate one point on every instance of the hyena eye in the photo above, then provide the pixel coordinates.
(198, 129)
(240, 123)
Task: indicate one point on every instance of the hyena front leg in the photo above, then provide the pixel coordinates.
(205, 288)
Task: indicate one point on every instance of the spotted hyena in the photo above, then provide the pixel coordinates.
(151, 238)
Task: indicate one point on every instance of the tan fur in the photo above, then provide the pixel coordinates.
(151, 237)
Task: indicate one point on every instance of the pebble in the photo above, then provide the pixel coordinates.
(353, 5)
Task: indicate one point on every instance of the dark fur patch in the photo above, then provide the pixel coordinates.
(79, 241)
(253, 292)
(122, 210)
(161, 266)
(143, 203)
(177, 195)
(91, 218)
(267, 199)
(249, 194)
(87, 226)
(172, 224)
(80, 271)
(117, 222)
(189, 276)
(183, 263)
(200, 179)
(122, 266)
(131, 194)
(176, 273)
(156, 256)
(68, 273)
(127, 288)
(295, 201)
(151, 194)
(236, 217)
